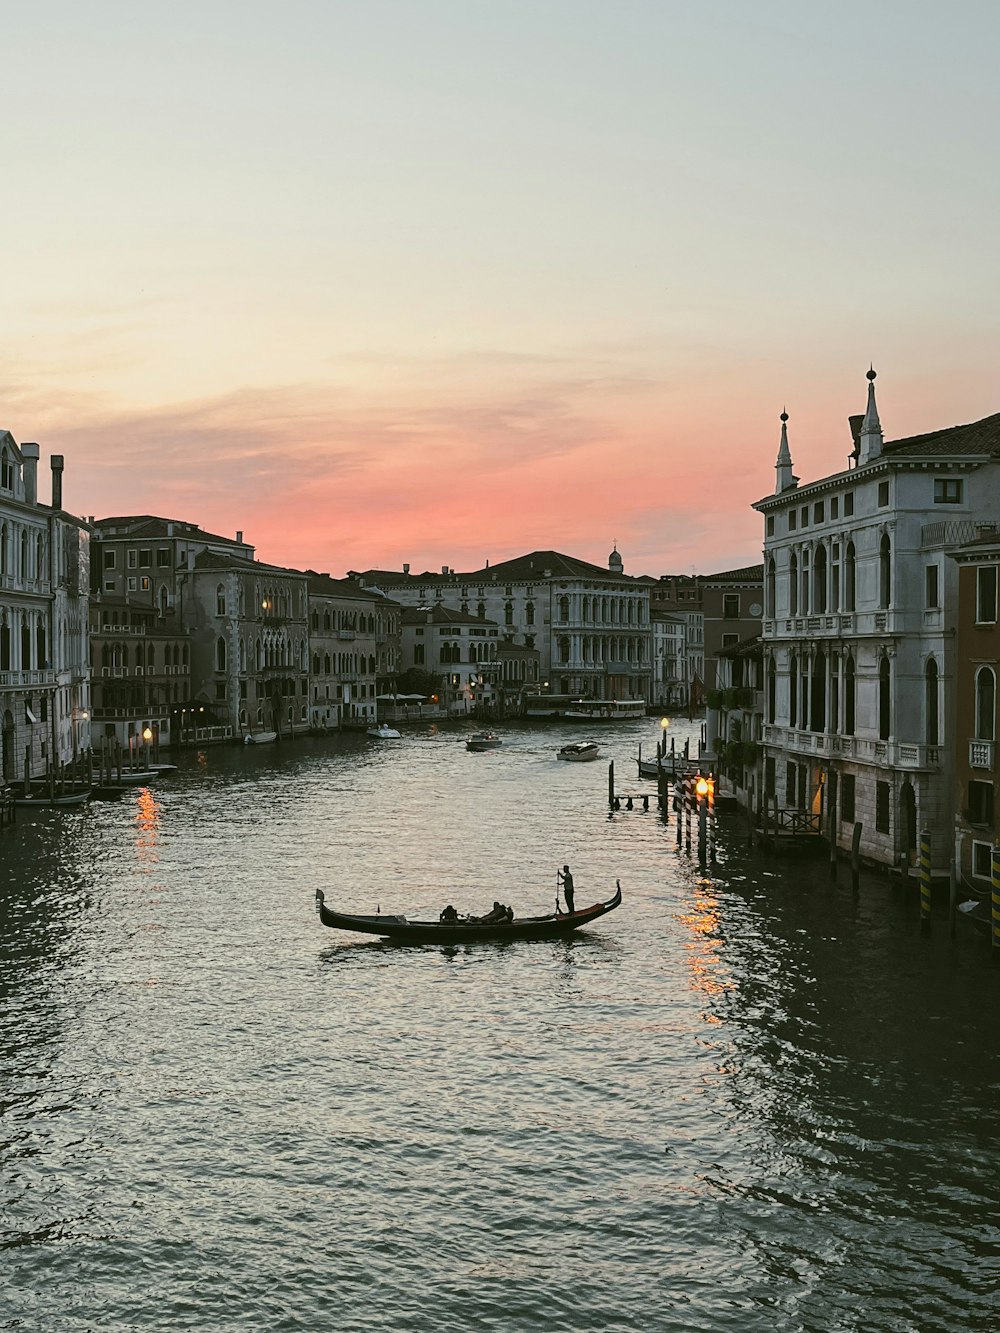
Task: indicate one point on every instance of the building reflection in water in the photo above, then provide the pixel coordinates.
(704, 942)
(147, 821)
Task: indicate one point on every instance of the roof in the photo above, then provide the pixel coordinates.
(978, 437)
(745, 648)
(441, 615)
(748, 574)
(324, 585)
(534, 566)
(150, 525)
(222, 560)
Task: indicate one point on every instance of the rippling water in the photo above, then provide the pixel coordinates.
(745, 1101)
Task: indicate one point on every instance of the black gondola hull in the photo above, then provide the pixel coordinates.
(401, 931)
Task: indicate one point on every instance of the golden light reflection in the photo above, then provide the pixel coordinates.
(704, 948)
(147, 820)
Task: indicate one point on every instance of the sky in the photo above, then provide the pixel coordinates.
(446, 281)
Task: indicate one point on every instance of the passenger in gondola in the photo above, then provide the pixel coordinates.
(565, 878)
(449, 914)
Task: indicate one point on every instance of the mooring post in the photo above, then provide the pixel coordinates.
(831, 790)
(995, 905)
(688, 801)
(661, 792)
(856, 860)
(611, 784)
(925, 881)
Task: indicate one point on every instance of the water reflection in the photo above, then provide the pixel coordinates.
(147, 822)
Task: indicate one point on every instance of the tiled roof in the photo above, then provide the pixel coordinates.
(523, 568)
(149, 525)
(978, 437)
(323, 585)
(441, 615)
(748, 574)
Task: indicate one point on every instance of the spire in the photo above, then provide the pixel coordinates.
(870, 439)
(786, 478)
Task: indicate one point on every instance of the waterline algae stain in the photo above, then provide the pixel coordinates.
(743, 1101)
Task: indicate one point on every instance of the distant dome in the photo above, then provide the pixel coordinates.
(615, 562)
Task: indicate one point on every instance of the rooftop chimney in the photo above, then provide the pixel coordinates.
(239, 536)
(29, 471)
(56, 463)
(406, 569)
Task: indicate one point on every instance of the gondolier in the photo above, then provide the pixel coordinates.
(565, 878)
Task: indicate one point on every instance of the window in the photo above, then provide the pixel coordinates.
(883, 494)
(418, 654)
(144, 584)
(980, 798)
(986, 595)
(109, 558)
(133, 559)
(848, 503)
(884, 700)
(731, 606)
(144, 560)
(131, 584)
(793, 585)
(109, 585)
(791, 520)
(850, 696)
(730, 640)
(834, 506)
(529, 613)
(931, 601)
(770, 525)
(931, 705)
(163, 557)
(947, 491)
(985, 703)
(804, 516)
(850, 578)
(818, 512)
(769, 588)
(882, 807)
(847, 798)
(982, 860)
(884, 571)
(791, 772)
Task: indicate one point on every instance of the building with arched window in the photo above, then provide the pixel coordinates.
(858, 650)
(44, 578)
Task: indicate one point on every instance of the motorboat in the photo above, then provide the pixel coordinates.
(466, 930)
(484, 740)
(580, 751)
(383, 732)
(260, 737)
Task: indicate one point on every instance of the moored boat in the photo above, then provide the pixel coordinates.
(64, 800)
(383, 732)
(580, 751)
(465, 930)
(483, 740)
(260, 737)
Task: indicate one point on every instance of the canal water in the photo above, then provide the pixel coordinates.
(744, 1101)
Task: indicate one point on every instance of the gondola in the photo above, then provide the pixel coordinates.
(466, 930)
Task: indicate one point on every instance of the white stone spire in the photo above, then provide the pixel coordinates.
(870, 439)
(786, 478)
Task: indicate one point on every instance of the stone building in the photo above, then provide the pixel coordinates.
(857, 634)
(461, 652)
(354, 646)
(44, 577)
(590, 625)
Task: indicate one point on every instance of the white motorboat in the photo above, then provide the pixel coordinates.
(383, 732)
(580, 751)
(483, 740)
(260, 737)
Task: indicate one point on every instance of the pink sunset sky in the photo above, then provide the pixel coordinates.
(444, 281)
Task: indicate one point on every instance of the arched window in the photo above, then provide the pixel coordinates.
(834, 692)
(793, 691)
(220, 600)
(23, 565)
(772, 688)
(931, 705)
(986, 691)
(819, 581)
(804, 605)
(220, 654)
(793, 585)
(564, 610)
(835, 576)
(25, 645)
(817, 719)
(508, 613)
(850, 578)
(884, 570)
(564, 650)
(850, 696)
(769, 589)
(529, 613)
(884, 699)
(481, 610)
(4, 643)
(4, 542)
(40, 645)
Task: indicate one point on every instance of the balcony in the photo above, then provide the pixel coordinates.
(981, 754)
(20, 680)
(884, 754)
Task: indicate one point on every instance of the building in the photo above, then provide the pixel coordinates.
(859, 599)
(44, 578)
(732, 604)
(590, 625)
(679, 596)
(354, 644)
(460, 651)
(977, 661)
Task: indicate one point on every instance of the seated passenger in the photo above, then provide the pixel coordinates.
(448, 914)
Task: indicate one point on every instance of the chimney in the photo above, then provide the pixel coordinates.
(406, 569)
(239, 536)
(56, 463)
(444, 569)
(29, 471)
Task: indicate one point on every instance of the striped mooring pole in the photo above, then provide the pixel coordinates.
(925, 881)
(995, 902)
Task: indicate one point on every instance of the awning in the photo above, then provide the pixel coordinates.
(30, 715)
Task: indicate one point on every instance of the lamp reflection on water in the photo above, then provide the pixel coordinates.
(704, 945)
(147, 820)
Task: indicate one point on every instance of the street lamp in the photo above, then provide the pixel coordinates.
(147, 736)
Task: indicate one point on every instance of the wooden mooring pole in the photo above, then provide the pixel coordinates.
(856, 860)
(925, 881)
